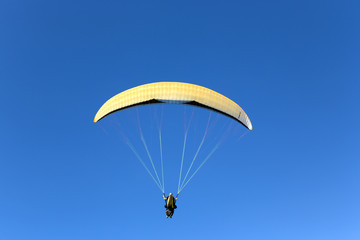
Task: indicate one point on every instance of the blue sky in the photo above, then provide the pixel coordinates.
(292, 65)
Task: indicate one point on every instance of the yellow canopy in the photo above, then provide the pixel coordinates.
(174, 92)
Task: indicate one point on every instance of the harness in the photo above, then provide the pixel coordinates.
(170, 203)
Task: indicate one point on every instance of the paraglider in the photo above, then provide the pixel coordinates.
(170, 204)
(173, 93)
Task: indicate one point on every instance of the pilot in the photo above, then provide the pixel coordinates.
(170, 204)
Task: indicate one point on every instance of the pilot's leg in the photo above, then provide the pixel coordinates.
(171, 213)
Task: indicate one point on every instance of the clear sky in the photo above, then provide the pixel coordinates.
(292, 65)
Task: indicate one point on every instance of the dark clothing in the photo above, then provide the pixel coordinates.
(169, 213)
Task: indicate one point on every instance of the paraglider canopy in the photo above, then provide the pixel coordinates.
(174, 92)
